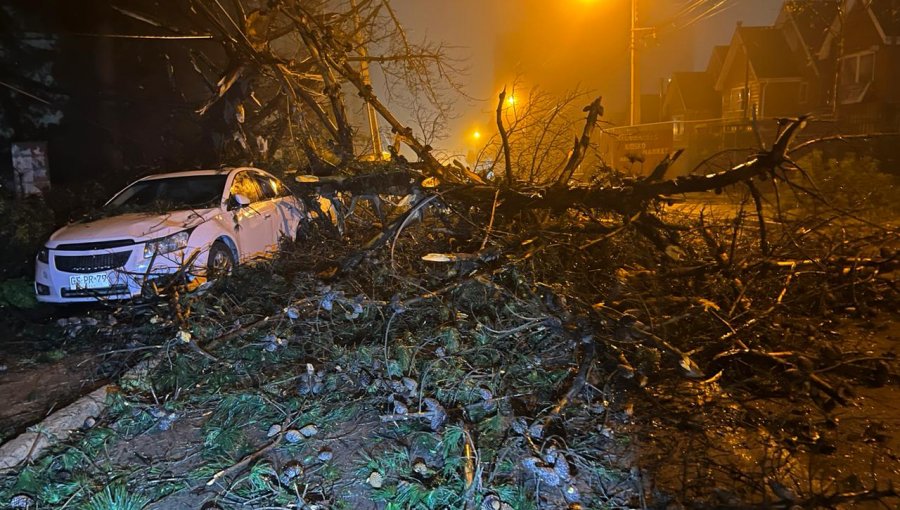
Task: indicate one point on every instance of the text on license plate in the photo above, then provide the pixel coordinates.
(89, 281)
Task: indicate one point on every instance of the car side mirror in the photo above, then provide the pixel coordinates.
(238, 201)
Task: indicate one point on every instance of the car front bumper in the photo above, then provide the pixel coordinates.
(82, 276)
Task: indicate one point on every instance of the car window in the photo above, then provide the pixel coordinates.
(170, 193)
(245, 184)
(269, 189)
(280, 188)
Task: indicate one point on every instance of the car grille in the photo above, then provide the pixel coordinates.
(95, 245)
(91, 263)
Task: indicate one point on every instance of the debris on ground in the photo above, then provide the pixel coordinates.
(471, 354)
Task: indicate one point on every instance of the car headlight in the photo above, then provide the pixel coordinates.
(44, 256)
(167, 244)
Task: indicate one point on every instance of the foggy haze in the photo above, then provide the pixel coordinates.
(564, 44)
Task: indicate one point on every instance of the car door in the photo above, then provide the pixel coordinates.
(269, 208)
(252, 223)
(288, 211)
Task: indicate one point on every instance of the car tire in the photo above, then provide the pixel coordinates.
(220, 262)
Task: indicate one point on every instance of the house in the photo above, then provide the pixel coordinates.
(805, 24)
(651, 105)
(717, 61)
(761, 76)
(837, 60)
(865, 41)
(776, 71)
(691, 96)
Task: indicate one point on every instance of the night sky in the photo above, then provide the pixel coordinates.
(114, 88)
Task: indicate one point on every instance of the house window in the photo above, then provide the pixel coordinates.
(677, 125)
(848, 70)
(865, 71)
(737, 98)
(858, 69)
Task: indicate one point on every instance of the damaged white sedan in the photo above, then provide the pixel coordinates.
(191, 225)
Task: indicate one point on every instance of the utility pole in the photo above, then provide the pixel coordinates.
(364, 73)
(634, 81)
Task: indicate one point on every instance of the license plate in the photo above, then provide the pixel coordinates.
(89, 281)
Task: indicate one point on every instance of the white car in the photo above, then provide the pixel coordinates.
(196, 223)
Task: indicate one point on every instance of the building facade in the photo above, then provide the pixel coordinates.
(837, 61)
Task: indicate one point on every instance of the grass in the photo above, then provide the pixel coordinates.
(238, 406)
(116, 497)
(226, 407)
(18, 293)
(227, 432)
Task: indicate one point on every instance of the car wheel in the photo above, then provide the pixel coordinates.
(221, 260)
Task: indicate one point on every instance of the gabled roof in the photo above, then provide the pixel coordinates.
(697, 92)
(717, 61)
(887, 16)
(811, 18)
(807, 24)
(769, 54)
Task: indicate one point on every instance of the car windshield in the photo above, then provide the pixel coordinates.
(171, 194)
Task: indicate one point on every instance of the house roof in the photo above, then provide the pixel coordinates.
(812, 19)
(887, 13)
(769, 53)
(717, 60)
(885, 16)
(697, 91)
(807, 24)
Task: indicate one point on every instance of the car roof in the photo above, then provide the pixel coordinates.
(194, 173)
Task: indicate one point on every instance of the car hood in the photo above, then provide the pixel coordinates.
(131, 226)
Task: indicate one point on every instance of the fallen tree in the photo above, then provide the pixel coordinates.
(477, 353)
(512, 342)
